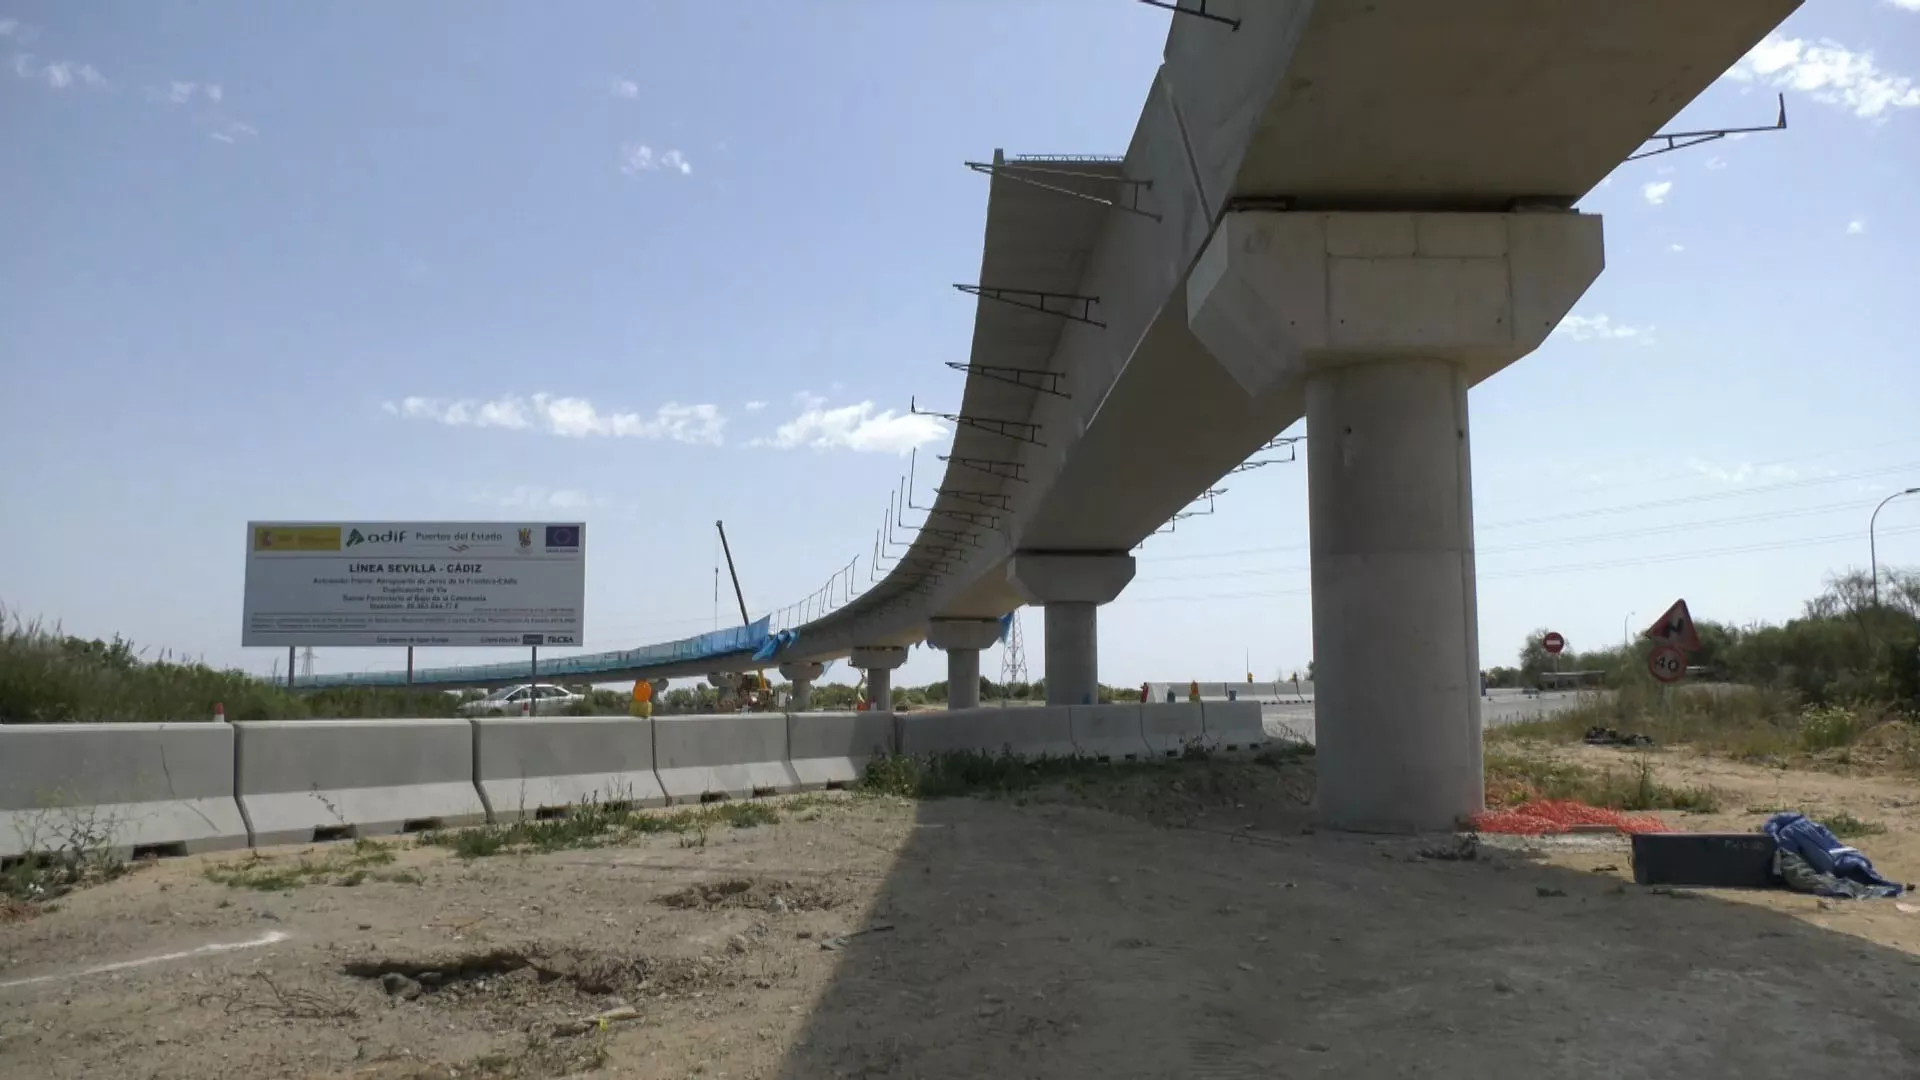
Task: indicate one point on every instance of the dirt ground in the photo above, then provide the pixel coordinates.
(1186, 922)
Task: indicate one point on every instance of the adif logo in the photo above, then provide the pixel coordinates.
(526, 540)
(391, 536)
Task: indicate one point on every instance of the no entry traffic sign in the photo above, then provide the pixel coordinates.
(1553, 643)
(1667, 664)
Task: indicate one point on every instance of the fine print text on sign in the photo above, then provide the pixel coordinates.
(414, 583)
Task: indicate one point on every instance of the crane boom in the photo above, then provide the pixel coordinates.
(734, 574)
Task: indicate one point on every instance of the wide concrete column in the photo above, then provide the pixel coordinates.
(802, 677)
(962, 639)
(1071, 586)
(1385, 320)
(878, 661)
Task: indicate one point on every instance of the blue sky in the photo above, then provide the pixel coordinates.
(650, 265)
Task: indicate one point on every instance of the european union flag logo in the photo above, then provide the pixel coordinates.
(563, 536)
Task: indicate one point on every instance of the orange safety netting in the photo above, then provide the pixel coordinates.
(1539, 817)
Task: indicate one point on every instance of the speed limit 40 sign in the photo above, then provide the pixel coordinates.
(1667, 664)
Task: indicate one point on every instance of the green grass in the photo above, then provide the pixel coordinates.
(1513, 778)
(48, 677)
(1845, 826)
(595, 824)
(347, 867)
(1745, 723)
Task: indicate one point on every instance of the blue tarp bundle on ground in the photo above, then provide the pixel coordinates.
(585, 667)
(1833, 868)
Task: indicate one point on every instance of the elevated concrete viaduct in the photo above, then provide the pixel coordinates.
(1348, 212)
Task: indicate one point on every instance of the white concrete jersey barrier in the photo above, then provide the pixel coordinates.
(126, 788)
(832, 748)
(1045, 731)
(1169, 730)
(737, 755)
(524, 766)
(304, 780)
(1233, 726)
(1107, 732)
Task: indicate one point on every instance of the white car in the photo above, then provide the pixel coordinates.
(527, 699)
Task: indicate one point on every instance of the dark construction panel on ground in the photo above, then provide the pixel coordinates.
(1706, 860)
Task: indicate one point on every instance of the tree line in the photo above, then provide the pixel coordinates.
(1842, 646)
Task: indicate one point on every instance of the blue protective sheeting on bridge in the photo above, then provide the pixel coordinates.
(774, 644)
(1006, 625)
(752, 637)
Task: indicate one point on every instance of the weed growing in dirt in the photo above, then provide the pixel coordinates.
(1514, 778)
(349, 867)
(595, 824)
(67, 848)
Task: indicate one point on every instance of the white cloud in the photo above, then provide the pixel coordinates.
(1716, 162)
(1742, 473)
(1906, 5)
(230, 131)
(854, 427)
(1655, 191)
(9, 27)
(1597, 328)
(59, 74)
(755, 406)
(538, 498)
(214, 93)
(1676, 248)
(639, 158)
(623, 88)
(1855, 228)
(1829, 73)
(570, 417)
(180, 92)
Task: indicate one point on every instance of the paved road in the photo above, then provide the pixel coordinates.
(1498, 708)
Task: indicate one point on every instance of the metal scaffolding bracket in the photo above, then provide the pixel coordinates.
(1046, 382)
(1207, 496)
(985, 521)
(1061, 305)
(1018, 430)
(1287, 443)
(949, 534)
(1680, 140)
(1199, 12)
(1025, 173)
(1005, 470)
(992, 500)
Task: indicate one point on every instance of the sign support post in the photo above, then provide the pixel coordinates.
(409, 665)
(289, 667)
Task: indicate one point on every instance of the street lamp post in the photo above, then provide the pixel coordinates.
(1625, 637)
(1873, 550)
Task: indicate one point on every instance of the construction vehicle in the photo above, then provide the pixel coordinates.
(747, 691)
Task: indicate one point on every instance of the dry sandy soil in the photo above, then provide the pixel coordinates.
(1185, 923)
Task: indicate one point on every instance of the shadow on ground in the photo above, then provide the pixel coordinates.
(1197, 930)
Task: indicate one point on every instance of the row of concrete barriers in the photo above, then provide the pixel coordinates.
(179, 788)
(1284, 692)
